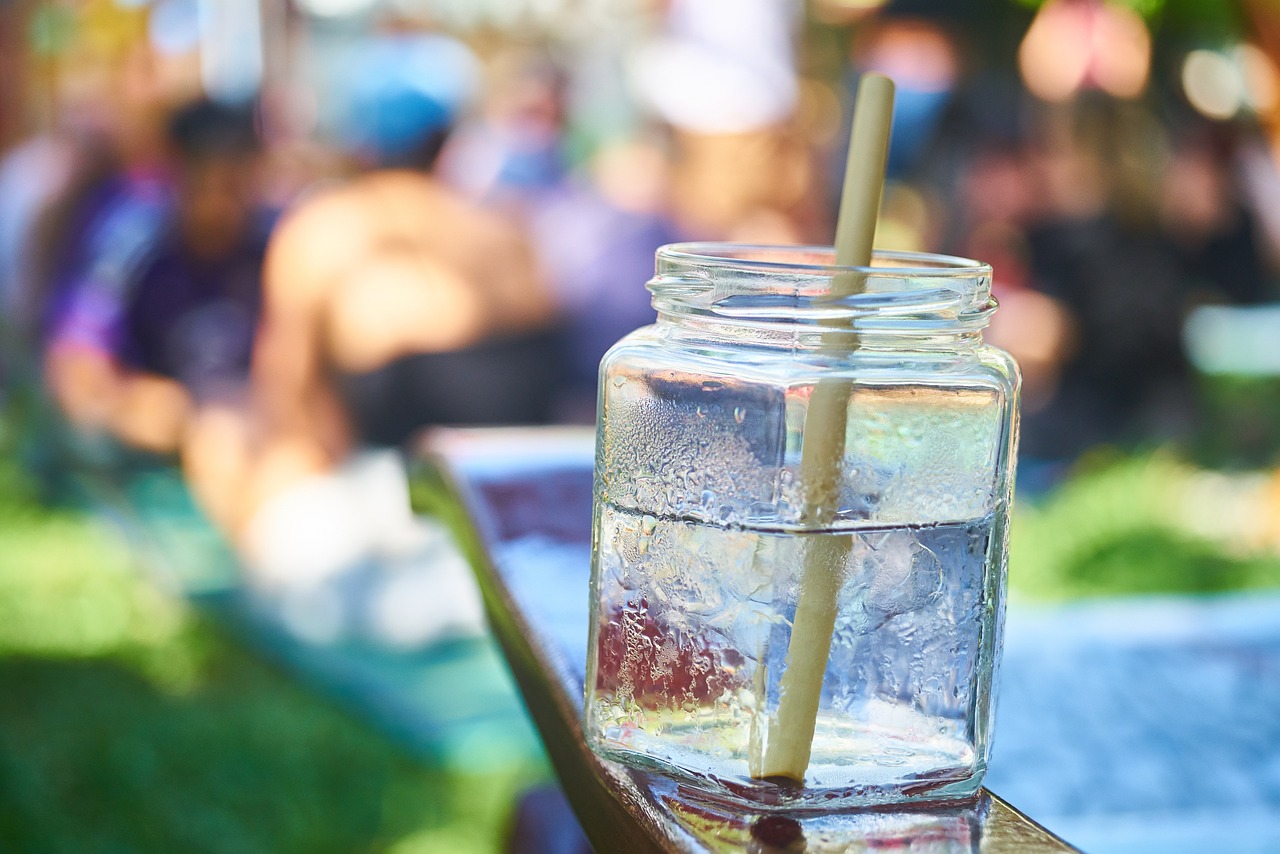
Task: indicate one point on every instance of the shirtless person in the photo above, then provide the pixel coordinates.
(390, 303)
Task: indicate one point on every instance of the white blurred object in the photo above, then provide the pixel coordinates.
(341, 554)
(724, 66)
(335, 8)
(230, 49)
(174, 26)
(1213, 84)
(1244, 341)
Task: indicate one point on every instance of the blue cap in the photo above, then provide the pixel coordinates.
(404, 88)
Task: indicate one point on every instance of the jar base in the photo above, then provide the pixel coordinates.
(944, 785)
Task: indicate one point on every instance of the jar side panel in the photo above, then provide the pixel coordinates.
(983, 714)
(680, 440)
(916, 452)
(711, 440)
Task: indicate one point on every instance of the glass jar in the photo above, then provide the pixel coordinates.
(801, 521)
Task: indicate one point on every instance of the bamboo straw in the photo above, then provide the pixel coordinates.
(790, 740)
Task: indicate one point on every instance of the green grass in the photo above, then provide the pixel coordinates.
(130, 723)
(1136, 524)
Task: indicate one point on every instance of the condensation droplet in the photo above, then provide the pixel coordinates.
(739, 414)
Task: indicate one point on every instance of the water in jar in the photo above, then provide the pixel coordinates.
(693, 634)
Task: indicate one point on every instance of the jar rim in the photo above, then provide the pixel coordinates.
(772, 257)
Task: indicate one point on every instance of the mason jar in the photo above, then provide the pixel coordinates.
(801, 522)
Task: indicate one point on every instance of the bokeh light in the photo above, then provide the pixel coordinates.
(175, 26)
(1073, 45)
(1221, 84)
(1261, 78)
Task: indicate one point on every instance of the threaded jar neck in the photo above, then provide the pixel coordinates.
(783, 295)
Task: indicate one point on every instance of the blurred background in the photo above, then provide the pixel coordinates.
(249, 248)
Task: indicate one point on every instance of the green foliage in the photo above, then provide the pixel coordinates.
(1204, 23)
(129, 723)
(1115, 528)
(1145, 8)
(1190, 23)
(1240, 418)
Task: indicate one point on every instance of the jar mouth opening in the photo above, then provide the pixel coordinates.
(900, 293)
(820, 260)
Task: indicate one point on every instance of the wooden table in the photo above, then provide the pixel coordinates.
(525, 523)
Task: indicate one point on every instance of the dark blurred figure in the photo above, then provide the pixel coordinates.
(189, 326)
(193, 313)
(1203, 212)
(1104, 230)
(1095, 245)
(596, 236)
(154, 308)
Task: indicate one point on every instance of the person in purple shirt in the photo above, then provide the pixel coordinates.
(188, 328)
(167, 328)
(193, 310)
(96, 239)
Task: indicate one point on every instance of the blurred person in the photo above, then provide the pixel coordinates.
(1064, 200)
(384, 294)
(958, 148)
(594, 229)
(392, 303)
(922, 58)
(596, 237)
(722, 75)
(94, 241)
(1095, 247)
(996, 203)
(750, 187)
(1203, 210)
(187, 332)
(93, 235)
(38, 178)
(168, 329)
(193, 312)
(513, 152)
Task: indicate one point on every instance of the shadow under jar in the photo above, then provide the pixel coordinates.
(711, 528)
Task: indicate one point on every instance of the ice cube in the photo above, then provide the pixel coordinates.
(906, 574)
